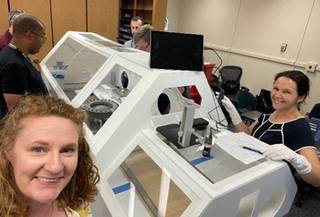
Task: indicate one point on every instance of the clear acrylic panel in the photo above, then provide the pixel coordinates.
(73, 65)
(139, 173)
(106, 43)
(147, 173)
(108, 95)
(51, 91)
(178, 201)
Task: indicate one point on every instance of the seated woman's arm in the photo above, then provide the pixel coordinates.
(313, 177)
(304, 161)
(241, 127)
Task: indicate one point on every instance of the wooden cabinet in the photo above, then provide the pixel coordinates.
(68, 15)
(40, 9)
(103, 17)
(60, 16)
(159, 12)
(3, 16)
(152, 11)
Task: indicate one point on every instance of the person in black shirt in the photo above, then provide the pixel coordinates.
(18, 76)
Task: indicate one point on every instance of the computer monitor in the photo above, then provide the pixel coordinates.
(171, 50)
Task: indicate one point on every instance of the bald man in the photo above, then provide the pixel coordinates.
(18, 76)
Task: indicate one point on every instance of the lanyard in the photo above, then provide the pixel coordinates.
(25, 56)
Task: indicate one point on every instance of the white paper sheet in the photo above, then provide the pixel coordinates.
(233, 144)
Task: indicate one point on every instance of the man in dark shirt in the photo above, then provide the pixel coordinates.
(18, 76)
(5, 38)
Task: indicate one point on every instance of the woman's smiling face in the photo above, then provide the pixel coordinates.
(284, 94)
(44, 157)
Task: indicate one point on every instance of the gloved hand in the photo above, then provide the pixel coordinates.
(282, 152)
(234, 115)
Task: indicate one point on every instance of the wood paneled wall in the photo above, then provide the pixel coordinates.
(68, 16)
(3, 16)
(103, 17)
(159, 11)
(60, 16)
(42, 11)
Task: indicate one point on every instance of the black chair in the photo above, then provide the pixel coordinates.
(230, 79)
(246, 104)
(264, 102)
(315, 111)
(303, 187)
(244, 101)
(314, 121)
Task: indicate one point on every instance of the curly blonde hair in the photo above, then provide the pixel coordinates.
(80, 191)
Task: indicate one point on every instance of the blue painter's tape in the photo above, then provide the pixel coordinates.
(58, 76)
(121, 188)
(125, 187)
(200, 160)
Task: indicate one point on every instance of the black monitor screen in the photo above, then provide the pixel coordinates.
(170, 50)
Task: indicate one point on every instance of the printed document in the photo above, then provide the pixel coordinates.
(242, 146)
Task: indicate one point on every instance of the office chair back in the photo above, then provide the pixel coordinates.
(314, 122)
(315, 111)
(264, 102)
(246, 100)
(230, 79)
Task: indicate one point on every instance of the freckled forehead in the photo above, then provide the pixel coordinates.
(285, 82)
(38, 120)
(136, 23)
(48, 129)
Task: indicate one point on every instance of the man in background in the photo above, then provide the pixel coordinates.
(135, 23)
(18, 75)
(142, 37)
(5, 38)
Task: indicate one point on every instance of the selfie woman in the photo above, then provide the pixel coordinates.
(45, 165)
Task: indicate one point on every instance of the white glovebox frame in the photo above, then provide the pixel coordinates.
(134, 124)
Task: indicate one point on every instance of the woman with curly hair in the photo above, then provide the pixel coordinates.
(45, 164)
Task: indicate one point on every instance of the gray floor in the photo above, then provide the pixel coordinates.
(310, 207)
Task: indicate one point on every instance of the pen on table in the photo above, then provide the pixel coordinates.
(251, 149)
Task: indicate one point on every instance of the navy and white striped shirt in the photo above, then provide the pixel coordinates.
(295, 134)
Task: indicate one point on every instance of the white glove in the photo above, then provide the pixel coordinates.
(234, 115)
(282, 152)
